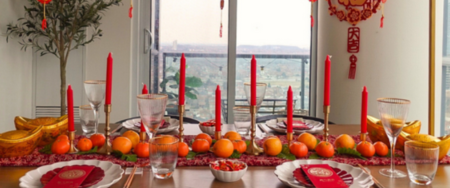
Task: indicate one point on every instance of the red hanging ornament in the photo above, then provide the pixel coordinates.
(312, 11)
(44, 21)
(222, 4)
(352, 72)
(353, 40)
(130, 12)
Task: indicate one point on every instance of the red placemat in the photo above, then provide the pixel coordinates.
(38, 159)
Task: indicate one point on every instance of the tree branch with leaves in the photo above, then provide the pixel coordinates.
(68, 23)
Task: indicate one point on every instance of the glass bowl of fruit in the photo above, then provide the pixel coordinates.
(228, 170)
(208, 127)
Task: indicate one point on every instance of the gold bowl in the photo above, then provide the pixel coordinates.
(376, 132)
(19, 142)
(52, 127)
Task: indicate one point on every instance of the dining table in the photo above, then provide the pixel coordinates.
(255, 177)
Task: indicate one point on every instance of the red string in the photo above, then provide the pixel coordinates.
(382, 22)
(130, 13)
(220, 30)
(44, 24)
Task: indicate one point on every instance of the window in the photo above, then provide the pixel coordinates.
(279, 36)
(445, 102)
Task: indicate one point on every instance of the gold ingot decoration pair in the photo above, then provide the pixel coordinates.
(410, 131)
(20, 142)
(52, 127)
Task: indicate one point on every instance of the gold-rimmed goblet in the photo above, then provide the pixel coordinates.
(152, 108)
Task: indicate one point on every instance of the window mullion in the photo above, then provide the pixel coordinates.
(231, 79)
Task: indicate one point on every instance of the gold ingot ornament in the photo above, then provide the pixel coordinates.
(442, 142)
(376, 131)
(52, 127)
(19, 142)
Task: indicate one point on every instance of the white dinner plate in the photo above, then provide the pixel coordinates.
(131, 124)
(284, 173)
(113, 173)
(316, 129)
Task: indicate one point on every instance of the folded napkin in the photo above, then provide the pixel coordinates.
(296, 124)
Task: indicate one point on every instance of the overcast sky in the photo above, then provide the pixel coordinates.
(260, 22)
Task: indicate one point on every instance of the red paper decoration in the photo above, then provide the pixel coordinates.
(352, 72)
(353, 40)
(44, 21)
(130, 12)
(222, 4)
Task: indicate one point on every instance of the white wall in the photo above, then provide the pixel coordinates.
(116, 26)
(392, 62)
(15, 70)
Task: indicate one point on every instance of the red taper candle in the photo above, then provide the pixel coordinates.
(70, 108)
(364, 110)
(109, 70)
(181, 99)
(290, 110)
(253, 81)
(218, 108)
(326, 95)
(144, 91)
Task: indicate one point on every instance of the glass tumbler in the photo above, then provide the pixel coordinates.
(242, 120)
(163, 155)
(421, 161)
(87, 119)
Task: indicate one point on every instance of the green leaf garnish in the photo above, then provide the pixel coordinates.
(213, 142)
(47, 149)
(314, 156)
(92, 151)
(120, 155)
(389, 154)
(347, 151)
(191, 155)
(286, 153)
(247, 142)
(235, 155)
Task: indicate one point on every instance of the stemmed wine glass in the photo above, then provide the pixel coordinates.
(95, 91)
(152, 108)
(393, 112)
(260, 93)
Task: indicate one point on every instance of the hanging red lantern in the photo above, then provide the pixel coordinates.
(44, 21)
(130, 13)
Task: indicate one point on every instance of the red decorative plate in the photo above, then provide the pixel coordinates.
(93, 178)
(301, 177)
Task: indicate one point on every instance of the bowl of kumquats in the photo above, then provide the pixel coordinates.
(228, 170)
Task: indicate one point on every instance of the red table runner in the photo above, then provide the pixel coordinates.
(38, 159)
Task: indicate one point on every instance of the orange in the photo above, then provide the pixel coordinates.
(122, 144)
(183, 149)
(344, 141)
(133, 136)
(381, 149)
(60, 146)
(240, 146)
(272, 146)
(298, 149)
(200, 146)
(366, 149)
(62, 137)
(325, 149)
(84, 144)
(142, 149)
(309, 140)
(223, 148)
(204, 136)
(232, 135)
(97, 140)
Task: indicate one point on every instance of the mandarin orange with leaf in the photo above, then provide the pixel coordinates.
(325, 149)
(142, 149)
(60, 146)
(344, 141)
(204, 136)
(84, 144)
(309, 140)
(97, 140)
(200, 146)
(183, 149)
(381, 149)
(62, 137)
(232, 135)
(366, 149)
(223, 148)
(298, 149)
(133, 136)
(272, 146)
(240, 146)
(122, 144)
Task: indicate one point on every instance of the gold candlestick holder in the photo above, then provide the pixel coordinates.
(72, 148)
(326, 111)
(181, 129)
(218, 135)
(289, 137)
(253, 148)
(142, 136)
(362, 136)
(106, 148)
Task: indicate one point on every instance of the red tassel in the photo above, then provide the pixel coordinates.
(130, 13)
(221, 30)
(382, 22)
(312, 21)
(44, 24)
